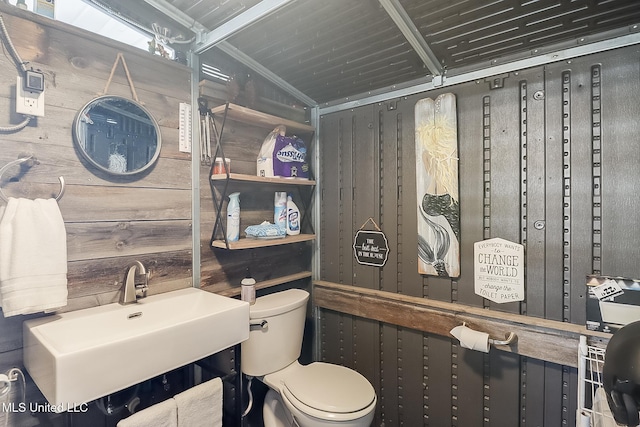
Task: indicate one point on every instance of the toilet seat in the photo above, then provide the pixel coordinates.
(329, 392)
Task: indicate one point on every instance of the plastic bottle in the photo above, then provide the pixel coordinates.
(293, 217)
(233, 218)
(248, 289)
(280, 209)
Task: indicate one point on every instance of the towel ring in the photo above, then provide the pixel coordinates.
(32, 161)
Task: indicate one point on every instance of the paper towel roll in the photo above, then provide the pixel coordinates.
(471, 339)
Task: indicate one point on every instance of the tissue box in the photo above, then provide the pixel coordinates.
(612, 302)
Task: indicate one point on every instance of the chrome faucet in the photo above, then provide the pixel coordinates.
(132, 291)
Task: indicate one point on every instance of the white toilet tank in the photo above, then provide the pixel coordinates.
(279, 342)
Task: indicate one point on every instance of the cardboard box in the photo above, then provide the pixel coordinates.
(612, 302)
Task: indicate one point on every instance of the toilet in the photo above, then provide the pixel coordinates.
(314, 395)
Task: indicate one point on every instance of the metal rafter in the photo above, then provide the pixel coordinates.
(177, 15)
(185, 20)
(384, 94)
(257, 12)
(402, 20)
(241, 57)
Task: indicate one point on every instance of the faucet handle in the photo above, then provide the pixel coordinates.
(141, 290)
(145, 276)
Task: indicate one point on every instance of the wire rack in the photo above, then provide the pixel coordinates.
(590, 364)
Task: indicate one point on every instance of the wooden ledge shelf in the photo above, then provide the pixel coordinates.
(257, 118)
(246, 243)
(263, 180)
(542, 339)
(235, 291)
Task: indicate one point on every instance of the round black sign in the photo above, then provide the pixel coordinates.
(371, 248)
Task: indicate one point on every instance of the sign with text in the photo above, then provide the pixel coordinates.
(499, 270)
(45, 8)
(371, 248)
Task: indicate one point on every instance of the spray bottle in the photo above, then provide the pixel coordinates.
(280, 209)
(233, 218)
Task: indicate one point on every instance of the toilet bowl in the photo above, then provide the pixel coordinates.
(314, 395)
(274, 413)
(322, 394)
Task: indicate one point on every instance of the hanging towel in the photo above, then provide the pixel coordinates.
(33, 257)
(201, 406)
(163, 414)
(601, 415)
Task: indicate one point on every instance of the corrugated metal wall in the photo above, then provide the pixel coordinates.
(549, 158)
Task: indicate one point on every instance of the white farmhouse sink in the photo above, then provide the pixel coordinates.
(83, 355)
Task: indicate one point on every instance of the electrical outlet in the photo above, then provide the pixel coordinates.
(30, 103)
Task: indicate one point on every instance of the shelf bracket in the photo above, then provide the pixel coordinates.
(219, 223)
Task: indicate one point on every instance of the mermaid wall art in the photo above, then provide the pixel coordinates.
(437, 186)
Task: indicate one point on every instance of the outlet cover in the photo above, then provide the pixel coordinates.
(28, 102)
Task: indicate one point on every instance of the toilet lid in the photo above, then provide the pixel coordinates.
(331, 388)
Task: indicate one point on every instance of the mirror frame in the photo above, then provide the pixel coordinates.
(87, 157)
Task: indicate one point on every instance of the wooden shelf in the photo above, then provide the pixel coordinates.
(257, 118)
(263, 180)
(216, 93)
(235, 291)
(247, 243)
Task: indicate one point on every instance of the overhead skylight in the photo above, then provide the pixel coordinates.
(82, 15)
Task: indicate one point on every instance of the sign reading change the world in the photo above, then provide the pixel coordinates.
(499, 270)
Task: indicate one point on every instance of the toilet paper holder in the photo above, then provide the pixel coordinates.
(509, 339)
(480, 341)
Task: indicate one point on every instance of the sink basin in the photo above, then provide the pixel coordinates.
(83, 355)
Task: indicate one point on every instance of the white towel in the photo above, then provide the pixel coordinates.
(163, 414)
(33, 257)
(601, 415)
(201, 406)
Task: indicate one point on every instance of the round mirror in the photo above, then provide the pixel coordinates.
(117, 135)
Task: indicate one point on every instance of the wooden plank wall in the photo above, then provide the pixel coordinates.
(564, 158)
(110, 222)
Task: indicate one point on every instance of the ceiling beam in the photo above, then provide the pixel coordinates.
(245, 59)
(246, 18)
(385, 94)
(177, 15)
(182, 18)
(402, 20)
